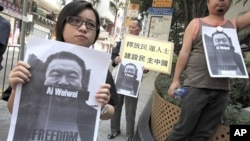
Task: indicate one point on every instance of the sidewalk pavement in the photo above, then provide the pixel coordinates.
(147, 86)
(4, 120)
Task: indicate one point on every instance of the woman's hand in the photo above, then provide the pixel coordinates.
(103, 97)
(19, 74)
(118, 60)
(103, 94)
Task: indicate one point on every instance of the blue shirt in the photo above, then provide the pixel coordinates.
(4, 36)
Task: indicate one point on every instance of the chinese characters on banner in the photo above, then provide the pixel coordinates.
(156, 55)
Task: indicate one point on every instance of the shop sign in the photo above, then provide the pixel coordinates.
(162, 3)
(12, 9)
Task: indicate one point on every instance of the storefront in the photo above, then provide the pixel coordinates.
(41, 32)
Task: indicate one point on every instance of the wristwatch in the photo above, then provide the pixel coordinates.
(104, 109)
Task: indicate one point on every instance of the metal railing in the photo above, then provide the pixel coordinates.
(10, 58)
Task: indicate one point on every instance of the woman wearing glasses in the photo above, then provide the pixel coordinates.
(78, 23)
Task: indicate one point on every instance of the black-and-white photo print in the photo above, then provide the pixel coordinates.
(223, 53)
(128, 78)
(59, 101)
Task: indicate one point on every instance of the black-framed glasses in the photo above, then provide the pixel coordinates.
(77, 21)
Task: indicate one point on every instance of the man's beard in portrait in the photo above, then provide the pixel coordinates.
(225, 58)
(128, 81)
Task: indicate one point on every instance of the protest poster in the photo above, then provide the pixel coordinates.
(156, 55)
(58, 104)
(128, 78)
(223, 53)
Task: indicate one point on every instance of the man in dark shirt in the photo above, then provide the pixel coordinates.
(135, 27)
(4, 36)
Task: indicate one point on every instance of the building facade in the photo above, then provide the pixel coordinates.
(42, 15)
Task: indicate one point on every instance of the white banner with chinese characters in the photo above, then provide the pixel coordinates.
(156, 55)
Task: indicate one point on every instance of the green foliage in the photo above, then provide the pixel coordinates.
(184, 11)
(235, 115)
(247, 62)
(236, 89)
(144, 5)
(162, 84)
(135, 1)
(177, 25)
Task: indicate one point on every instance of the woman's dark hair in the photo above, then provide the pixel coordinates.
(73, 9)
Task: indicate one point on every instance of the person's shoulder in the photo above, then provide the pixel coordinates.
(193, 28)
(4, 21)
(194, 22)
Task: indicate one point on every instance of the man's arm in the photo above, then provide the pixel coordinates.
(183, 56)
(115, 53)
(243, 21)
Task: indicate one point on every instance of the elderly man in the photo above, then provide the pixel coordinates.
(135, 27)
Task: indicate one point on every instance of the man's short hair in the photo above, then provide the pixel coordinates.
(138, 21)
(230, 1)
(67, 56)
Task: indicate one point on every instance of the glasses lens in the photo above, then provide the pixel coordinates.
(77, 21)
(91, 25)
(74, 21)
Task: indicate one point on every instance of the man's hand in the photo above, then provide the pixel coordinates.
(118, 60)
(145, 71)
(172, 88)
